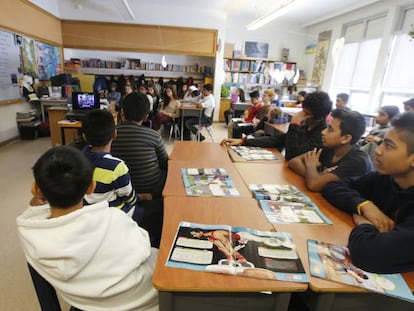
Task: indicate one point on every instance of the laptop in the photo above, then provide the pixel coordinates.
(82, 102)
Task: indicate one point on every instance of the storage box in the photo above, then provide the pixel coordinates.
(28, 132)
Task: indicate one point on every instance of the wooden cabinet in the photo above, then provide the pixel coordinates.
(224, 105)
(56, 114)
(258, 71)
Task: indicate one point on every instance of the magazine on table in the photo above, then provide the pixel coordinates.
(208, 182)
(236, 251)
(287, 204)
(332, 262)
(254, 153)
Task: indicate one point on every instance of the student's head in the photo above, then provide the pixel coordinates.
(242, 97)
(346, 127)
(275, 113)
(301, 96)
(128, 89)
(395, 156)
(63, 175)
(207, 89)
(385, 114)
(113, 87)
(170, 92)
(98, 126)
(341, 100)
(135, 107)
(268, 95)
(254, 97)
(318, 104)
(142, 89)
(409, 105)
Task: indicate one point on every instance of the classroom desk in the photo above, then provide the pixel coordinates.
(189, 110)
(240, 106)
(66, 124)
(273, 129)
(188, 150)
(174, 185)
(181, 289)
(323, 295)
(235, 157)
(46, 102)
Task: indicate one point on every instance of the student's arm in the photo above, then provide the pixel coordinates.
(162, 154)
(299, 140)
(388, 252)
(298, 165)
(123, 186)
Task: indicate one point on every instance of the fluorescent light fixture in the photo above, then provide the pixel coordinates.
(261, 21)
(128, 8)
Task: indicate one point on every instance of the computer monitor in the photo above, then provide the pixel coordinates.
(85, 101)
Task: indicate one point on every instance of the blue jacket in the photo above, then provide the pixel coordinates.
(389, 252)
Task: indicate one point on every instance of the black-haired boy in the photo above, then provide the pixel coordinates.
(96, 257)
(382, 204)
(339, 158)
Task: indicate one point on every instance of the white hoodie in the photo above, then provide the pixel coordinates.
(97, 258)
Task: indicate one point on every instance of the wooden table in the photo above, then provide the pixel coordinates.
(174, 185)
(235, 157)
(182, 289)
(189, 110)
(189, 150)
(46, 102)
(324, 295)
(66, 124)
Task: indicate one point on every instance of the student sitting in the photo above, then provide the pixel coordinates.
(382, 204)
(409, 105)
(339, 158)
(275, 115)
(95, 257)
(304, 131)
(376, 135)
(111, 175)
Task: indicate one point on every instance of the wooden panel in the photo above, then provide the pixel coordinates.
(27, 19)
(142, 38)
(224, 105)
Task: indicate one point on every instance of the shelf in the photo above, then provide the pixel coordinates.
(128, 72)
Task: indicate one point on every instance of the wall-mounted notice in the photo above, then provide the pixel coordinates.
(9, 66)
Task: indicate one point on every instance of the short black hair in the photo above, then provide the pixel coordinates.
(302, 93)
(318, 103)
(343, 96)
(391, 110)
(404, 124)
(63, 174)
(352, 123)
(409, 102)
(136, 106)
(254, 94)
(98, 127)
(208, 87)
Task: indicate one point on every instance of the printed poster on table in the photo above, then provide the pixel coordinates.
(332, 262)
(254, 153)
(286, 204)
(236, 251)
(208, 182)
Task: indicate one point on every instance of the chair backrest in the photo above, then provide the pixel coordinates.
(210, 120)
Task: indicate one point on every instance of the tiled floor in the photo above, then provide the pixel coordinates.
(17, 159)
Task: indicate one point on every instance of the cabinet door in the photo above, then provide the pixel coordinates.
(224, 105)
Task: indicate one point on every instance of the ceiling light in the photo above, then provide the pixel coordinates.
(261, 21)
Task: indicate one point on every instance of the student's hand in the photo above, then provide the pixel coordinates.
(375, 216)
(311, 158)
(329, 170)
(231, 142)
(373, 138)
(145, 197)
(300, 117)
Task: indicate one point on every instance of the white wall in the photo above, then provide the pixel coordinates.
(8, 125)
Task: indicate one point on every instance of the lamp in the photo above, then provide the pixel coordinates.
(261, 21)
(128, 8)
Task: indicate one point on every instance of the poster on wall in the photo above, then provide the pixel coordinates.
(9, 66)
(321, 57)
(48, 60)
(29, 57)
(256, 49)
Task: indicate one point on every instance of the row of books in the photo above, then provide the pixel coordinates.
(253, 78)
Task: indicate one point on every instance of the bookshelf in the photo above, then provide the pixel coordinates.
(252, 71)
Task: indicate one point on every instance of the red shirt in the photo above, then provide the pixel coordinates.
(253, 110)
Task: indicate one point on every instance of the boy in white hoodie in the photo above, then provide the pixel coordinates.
(96, 257)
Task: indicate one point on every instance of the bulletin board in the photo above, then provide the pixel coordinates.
(22, 55)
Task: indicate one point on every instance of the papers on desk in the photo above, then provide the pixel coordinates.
(237, 251)
(208, 182)
(332, 262)
(254, 153)
(286, 204)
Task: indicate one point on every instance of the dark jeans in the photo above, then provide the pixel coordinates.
(150, 216)
(190, 123)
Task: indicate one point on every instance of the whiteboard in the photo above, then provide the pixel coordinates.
(9, 66)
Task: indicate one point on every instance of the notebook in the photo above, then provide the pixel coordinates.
(81, 104)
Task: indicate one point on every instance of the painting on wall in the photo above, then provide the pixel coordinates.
(48, 60)
(256, 49)
(29, 57)
(321, 57)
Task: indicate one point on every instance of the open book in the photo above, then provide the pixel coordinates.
(208, 182)
(237, 251)
(332, 262)
(254, 153)
(286, 204)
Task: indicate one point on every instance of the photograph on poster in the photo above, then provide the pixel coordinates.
(256, 49)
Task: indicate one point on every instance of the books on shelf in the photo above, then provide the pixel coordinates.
(332, 262)
(236, 251)
(254, 153)
(286, 204)
(208, 182)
